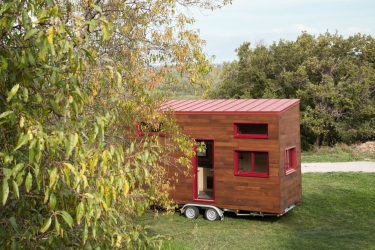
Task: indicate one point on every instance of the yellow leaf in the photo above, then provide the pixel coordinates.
(126, 188)
(22, 122)
(50, 35)
(52, 177)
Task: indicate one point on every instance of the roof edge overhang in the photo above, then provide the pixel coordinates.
(297, 102)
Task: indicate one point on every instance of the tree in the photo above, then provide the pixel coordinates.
(333, 76)
(75, 78)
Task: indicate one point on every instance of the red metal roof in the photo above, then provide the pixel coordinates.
(228, 105)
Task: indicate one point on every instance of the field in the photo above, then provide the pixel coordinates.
(337, 213)
(341, 153)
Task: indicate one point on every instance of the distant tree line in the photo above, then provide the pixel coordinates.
(333, 76)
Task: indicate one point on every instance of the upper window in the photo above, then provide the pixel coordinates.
(251, 130)
(250, 163)
(290, 162)
(149, 129)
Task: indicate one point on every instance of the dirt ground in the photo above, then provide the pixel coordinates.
(325, 167)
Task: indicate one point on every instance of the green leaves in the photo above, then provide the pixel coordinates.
(328, 73)
(52, 201)
(30, 34)
(5, 191)
(28, 182)
(67, 218)
(5, 114)
(46, 225)
(15, 189)
(70, 144)
(52, 177)
(80, 210)
(22, 140)
(67, 118)
(12, 92)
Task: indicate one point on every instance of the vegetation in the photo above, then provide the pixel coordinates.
(333, 76)
(336, 213)
(338, 153)
(75, 79)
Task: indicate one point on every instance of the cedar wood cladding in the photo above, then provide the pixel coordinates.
(271, 194)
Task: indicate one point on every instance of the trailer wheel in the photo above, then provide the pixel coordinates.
(191, 212)
(211, 214)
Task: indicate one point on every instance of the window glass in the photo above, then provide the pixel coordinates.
(244, 161)
(260, 162)
(253, 129)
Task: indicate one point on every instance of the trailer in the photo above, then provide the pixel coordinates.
(250, 162)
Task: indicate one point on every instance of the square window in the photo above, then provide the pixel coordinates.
(251, 130)
(251, 163)
(290, 161)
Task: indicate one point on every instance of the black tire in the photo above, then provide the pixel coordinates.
(211, 214)
(191, 212)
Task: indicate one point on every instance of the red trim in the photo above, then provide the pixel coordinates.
(249, 136)
(290, 167)
(252, 173)
(195, 177)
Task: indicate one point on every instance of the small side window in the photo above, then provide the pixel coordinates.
(251, 130)
(290, 161)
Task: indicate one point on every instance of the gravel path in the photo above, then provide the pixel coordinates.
(324, 167)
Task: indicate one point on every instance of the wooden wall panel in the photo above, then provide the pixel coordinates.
(234, 192)
(290, 185)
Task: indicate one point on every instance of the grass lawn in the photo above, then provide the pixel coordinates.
(338, 153)
(338, 212)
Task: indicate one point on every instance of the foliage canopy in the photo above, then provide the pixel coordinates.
(75, 78)
(333, 76)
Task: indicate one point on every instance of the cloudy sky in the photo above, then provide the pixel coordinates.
(265, 21)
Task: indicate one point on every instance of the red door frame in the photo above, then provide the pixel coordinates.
(195, 177)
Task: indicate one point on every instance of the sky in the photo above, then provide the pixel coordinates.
(265, 21)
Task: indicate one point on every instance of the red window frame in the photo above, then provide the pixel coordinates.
(249, 136)
(140, 133)
(251, 173)
(290, 160)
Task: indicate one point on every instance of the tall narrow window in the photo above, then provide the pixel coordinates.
(250, 130)
(250, 163)
(290, 161)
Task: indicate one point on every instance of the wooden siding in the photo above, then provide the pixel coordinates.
(291, 184)
(234, 192)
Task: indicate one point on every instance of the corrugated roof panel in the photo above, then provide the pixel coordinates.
(241, 105)
(204, 105)
(213, 105)
(235, 104)
(275, 105)
(252, 105)
(228, 105)
(182, 104)
(222, 106)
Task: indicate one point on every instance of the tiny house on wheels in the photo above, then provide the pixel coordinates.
(250, 160)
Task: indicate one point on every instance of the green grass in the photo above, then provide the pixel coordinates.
(339, 153)
(338, 212)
